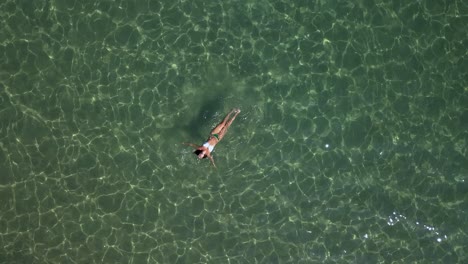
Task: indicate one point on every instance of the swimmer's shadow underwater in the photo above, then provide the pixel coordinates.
(216, 134)
(202, 118)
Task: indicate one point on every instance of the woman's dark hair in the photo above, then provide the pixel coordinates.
(198, 151)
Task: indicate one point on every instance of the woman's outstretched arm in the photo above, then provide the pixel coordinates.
(212, 161)
(190, 144)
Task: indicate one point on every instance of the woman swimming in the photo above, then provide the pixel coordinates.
(216, 135)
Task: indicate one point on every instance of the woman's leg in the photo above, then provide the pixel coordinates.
(223, 123)
(224, 129)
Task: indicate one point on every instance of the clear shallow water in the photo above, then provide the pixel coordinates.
(350, 148)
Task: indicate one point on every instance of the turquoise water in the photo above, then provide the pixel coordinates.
(351, 146)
